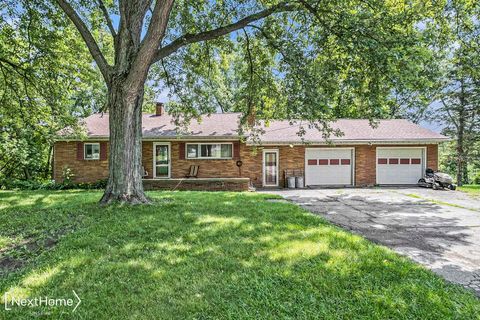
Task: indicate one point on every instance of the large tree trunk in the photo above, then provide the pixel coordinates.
(125, 153)
(48, 166)
(460, 137)
(460, 159)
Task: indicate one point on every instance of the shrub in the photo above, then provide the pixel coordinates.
(67, 175)
(476, 179)
(12, 184)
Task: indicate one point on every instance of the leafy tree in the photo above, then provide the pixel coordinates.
(47, 82)
(459, 92)
(313, 60)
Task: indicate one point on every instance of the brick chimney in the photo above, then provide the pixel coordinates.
(159, 109)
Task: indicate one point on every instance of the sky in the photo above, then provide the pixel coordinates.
(432, 126)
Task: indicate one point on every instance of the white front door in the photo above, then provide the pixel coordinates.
(400, 165)
(329, 166)
(270, 167)
(161, 160)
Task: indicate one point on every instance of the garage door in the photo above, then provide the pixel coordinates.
(329, 166)
(400, 165)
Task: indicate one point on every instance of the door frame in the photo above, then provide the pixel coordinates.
(424, 164)
(352, 161)
(263, 167)
(155, 144)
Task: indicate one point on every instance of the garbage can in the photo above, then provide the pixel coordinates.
(299, 182)
(291, 182)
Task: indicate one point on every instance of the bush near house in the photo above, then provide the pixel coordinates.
(12, 184)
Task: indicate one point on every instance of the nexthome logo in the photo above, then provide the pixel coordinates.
(11, 301)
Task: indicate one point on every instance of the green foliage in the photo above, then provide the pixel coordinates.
(476, 179)
(215, 255)
(473, 189)
(458, 94)
(47, 81)
(13, 184)
(338, 59)
(317, 62)
(67, 175)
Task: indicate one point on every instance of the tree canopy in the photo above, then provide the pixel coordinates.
(305, 59)
(47, 82)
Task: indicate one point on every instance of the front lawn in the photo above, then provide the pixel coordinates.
(473, 189)
(206, 255)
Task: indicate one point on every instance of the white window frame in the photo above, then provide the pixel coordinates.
(199, 157)
(155, 144)
(85, 150)
(264, 173)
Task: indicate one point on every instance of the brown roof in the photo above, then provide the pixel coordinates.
(225, 125)
(353, 130)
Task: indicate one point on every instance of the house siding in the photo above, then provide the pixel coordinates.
(65, 156)
(290, 157)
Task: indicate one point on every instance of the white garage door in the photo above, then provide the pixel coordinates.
(400, 165)
(328, 166)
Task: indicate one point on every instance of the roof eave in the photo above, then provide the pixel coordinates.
(162, 138)
(359, 142)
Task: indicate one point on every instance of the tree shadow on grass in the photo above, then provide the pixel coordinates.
(45, 199)
(230, 256)
(427, 232)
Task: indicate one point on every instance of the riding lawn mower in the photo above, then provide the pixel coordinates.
(436, 180)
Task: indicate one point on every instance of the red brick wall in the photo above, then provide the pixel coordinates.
(294, 158)
(208, 168)
(197, 184)
(432, 156)
(180, 167)
(365, 162)
(365, 168)
(289, 158)
(65, 156)
(252, 158)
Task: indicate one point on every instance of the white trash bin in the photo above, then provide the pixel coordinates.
(291, 182)
(299, 182)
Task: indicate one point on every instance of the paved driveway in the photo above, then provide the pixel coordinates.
(412, 221)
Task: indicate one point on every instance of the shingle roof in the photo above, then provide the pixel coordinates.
(353, 130)
(226, 125)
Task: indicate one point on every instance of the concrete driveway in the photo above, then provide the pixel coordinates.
(439, 229)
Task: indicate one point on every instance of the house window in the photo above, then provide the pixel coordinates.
(209, 150)
(91, 151)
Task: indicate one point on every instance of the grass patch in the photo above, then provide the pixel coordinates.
(207, 255)
(413, 195)
(473, 189)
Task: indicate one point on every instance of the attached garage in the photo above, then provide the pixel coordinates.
(329, 166)
(400, 165)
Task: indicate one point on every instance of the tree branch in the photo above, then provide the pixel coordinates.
(447, 110)
(148, 47)
(250, 83)
(107, 18)
(221, 31)
(88, 38)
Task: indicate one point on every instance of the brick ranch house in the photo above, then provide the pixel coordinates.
(396, 152)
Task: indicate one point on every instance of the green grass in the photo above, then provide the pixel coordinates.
(413, 195)
(473, 189)
(206, 256)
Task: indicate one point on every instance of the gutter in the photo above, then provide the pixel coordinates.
(349, 142)
(268, 143)
(160, 138)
